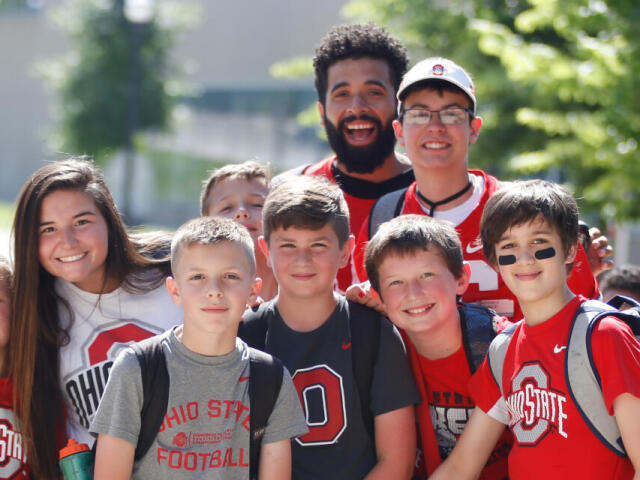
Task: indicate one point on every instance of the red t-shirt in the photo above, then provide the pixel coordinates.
(486, 286)
(551, 439)
(445, 408)
(360, 196)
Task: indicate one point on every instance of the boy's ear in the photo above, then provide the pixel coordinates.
(254, 294)
(571, 255)
(397, 129)
(172, 286)
(463, 281)
(347, 250)
(265, 249)
(476, 124)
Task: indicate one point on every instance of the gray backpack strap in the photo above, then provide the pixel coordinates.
(386, 207)
(497, 352)
(583, 381)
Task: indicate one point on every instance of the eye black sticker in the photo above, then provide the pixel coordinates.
(545, 253)
(506, 259)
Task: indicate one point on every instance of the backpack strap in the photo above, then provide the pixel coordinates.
(365, 344)
(478, 330)
(265, 381)
(155, 391)
(497, 353)
(583, 380)
(385, 208)
(253, 329)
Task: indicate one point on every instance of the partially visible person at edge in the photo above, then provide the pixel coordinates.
(238, 191)
(437, 122)
(623, 280)
(84, 287)
(13, 459)
(357, 71)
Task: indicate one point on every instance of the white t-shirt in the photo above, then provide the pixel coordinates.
(102, 326)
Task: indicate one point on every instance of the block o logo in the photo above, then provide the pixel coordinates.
(321, 394)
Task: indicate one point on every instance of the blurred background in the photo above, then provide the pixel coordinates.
(160, 92)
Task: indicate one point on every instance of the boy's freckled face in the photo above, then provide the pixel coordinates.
(5, 300)
(213, 284)
(305, 262)
(529, 278)
(240, 200)
(419, 291)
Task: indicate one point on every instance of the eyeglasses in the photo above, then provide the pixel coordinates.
(448, 116)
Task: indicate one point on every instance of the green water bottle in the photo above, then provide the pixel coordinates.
(76, 461)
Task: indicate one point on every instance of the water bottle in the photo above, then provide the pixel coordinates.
(76, 461)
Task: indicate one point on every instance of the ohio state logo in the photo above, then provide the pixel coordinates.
(12, 453)
(534, 408)
(321, 394)
(438, 69)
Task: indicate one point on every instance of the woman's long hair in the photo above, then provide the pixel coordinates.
(36, 334)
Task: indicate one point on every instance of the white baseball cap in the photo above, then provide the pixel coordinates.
(438, 68)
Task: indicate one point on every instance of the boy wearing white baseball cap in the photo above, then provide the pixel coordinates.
(437, 122)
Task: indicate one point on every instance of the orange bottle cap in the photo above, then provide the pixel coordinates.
(73, 447)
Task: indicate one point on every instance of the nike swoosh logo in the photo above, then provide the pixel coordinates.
(345, 345)
(473, 249)
(243, 379)
(557, 349)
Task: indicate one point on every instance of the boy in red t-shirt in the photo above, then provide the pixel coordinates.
(415, 264)
(529, 233)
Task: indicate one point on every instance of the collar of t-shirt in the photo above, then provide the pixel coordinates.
(458, 214)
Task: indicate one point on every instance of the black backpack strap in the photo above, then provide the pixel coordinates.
(386, 207)
(155, 391)
(253, 329)
(478, 330)
(365, 343)
(265, 381)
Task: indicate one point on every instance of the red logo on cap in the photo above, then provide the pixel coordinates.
(438, 70)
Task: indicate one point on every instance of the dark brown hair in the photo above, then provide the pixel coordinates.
(306, 202)
(238, 171)
(409, 234)
(36, 333)
(521, 202)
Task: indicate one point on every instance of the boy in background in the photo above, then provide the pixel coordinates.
(238, 191)
(623, 280)
(347, 362)
(415, 264)
(529, 234)
(206, 424)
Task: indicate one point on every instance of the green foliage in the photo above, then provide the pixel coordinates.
(94, 81)
(556, 81)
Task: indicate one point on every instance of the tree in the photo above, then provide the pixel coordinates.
(94, 80)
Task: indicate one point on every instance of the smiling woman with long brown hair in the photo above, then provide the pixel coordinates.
(84, 286)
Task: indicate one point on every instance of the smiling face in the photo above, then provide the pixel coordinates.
(213, 284)
(534, 279)
(419, 291)
(436, 145)
(240, 200)
(305, 262)
(358, 112)
(73, 239)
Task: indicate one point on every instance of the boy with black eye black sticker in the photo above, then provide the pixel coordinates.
(529, 233)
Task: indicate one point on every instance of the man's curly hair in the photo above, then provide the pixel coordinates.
(358, 41)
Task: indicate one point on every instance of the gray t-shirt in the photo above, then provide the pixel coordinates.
(205, 433)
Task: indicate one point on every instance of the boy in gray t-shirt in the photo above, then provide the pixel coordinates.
(205, 431)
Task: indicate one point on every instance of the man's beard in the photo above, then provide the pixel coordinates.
(365, 159)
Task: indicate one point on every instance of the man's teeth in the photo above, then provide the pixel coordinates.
(419, 310)
(359, 127)
(72, 258)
